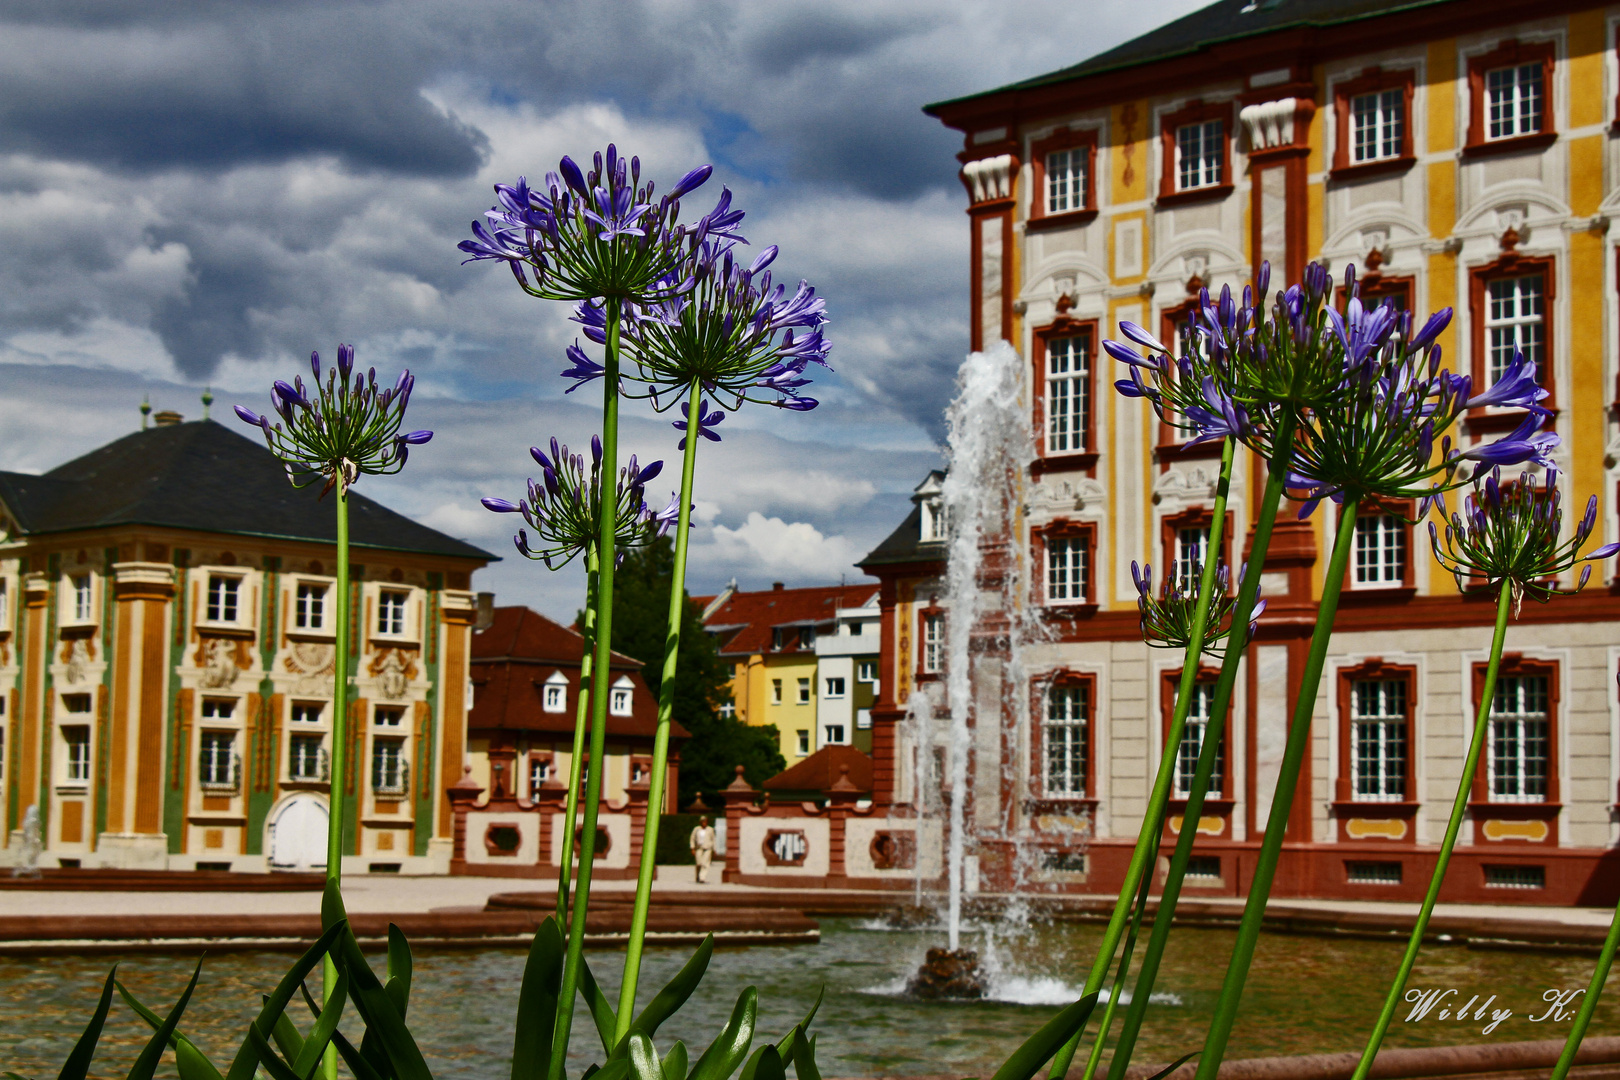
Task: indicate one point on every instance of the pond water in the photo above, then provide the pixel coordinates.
(1305, 995)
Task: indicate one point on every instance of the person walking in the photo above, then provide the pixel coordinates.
(702, 844)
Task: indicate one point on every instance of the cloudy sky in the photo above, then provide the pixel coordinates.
(199, 192)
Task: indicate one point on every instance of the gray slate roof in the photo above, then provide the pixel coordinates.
(204, 477)
(905, 545)
(1225, 20)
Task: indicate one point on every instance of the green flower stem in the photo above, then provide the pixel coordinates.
(1600, 975)
(1208, 754)
(340, 744)
(599, 702)
(576, 763)
(1504, 604)
(1147, 841)
(666, 707)
(1282, 801)
(1123, 970)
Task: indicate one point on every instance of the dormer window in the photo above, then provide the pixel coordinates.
(619, 700)
(778, 638)
(554, 694)
(935, 521)
(807, 637)
(223, 594)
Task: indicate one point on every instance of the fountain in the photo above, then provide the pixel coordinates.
(988, 448)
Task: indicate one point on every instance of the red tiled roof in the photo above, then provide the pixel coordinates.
(821, 770)
(521, 649)
(747, 618)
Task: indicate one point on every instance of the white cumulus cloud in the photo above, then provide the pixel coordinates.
(793, 550)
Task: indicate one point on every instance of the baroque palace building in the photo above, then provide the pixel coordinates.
(1463, 155)
(167, 642)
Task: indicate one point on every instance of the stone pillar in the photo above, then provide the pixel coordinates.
(738, 796)
(134, 838)
(460, 796)
(459, 611)
(841, 798)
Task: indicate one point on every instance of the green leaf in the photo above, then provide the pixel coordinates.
(13, 1076)
(309, 1058)
(267, 1057)
(601, 1011)
(537, 1003)
(78, 1062)
(644, 1063)
(674, 1063)
(287, 1038)
(146, 1065)
(276, 1004)
(669, 1000)
(399, 970)
(355, 1059)
(191, 1062)
(786, 1046)
(765, 1064)
(1180, 1061)
(804, 1058)
(723, 1056)
(613, 1070)
(1039, 1047)
(381, 1018)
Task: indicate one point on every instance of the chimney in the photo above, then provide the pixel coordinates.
(486, 611)
(167, 418)
(776, 586)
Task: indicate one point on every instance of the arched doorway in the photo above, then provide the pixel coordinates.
(298, 834)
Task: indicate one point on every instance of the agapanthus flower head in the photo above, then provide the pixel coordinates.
(562, 507)
(603, 233)
(735, 333)
(1512, 531)
(1167, 619)
(340, 428)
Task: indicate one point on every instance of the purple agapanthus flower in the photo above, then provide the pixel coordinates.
(1515, 388)
(1524, 444)
(705, 422)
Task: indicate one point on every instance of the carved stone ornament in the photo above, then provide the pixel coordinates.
(391, 677)
(1075, 494)
(219, 666)
(78, 656)
(315, 663)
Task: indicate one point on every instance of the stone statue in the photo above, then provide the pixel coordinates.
(391, 679)
(78, 657)
(28, 866)
(220, 668)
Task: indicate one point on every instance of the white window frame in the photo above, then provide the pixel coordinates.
(223, 602)
(1067, 179)
(310, 606)
(209, 764)
(1199, 155)
(298, 739)
(1068, 570)
(835, 735)
(834, 686)
(621, 697)
(1513, 100)
(76, 751)
(1515, 318)
(398, 602)
(933, 643)
(804, 741)
(1068, 393)
(1066, 741)
(1519, 723)
(296, 707)
(1377, 125)
(1380, 740)
(539, 772)
(866, 671)
(776, 691)
(554, 693)
(1192, 744)
(1380, 552)
(804, 691)
(388, 718)
(81, 599)
(389, 765)
(1192, 550)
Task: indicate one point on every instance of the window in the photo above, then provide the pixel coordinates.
(778, 638)
(304, 712)
(804, 741)
(1510, 303)
(834, 734)
(309, 607)
(1192, 744)
(76, 703)
(76, 759)
(554, 695)
(216, 759)
(1066, 180)
(391, 612)
(539, 773)
(619, 701)
(1380, 551)
(933, 644)
(306, 758)
(389, 716)
(1068, 394)
(1514, 321)
(1518, 751)
(1068, 569)
(807, 637)
(222, 595)
(1200, 155)
(218, 708)
(866, 670)
(935, 524)
(5, 604)
(1066, 741)
(1510, 97)
(804, 691)
(388, 766)
(776, 691)
(1513, 100)
(1378, 121)
(863, 719)
(1378, 739)
(856, 629)
(1192, 548)
(83, 608)
(728, 710)
(835, 687)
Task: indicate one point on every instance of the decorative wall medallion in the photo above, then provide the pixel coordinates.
(1380, 828)
(786, 847)
(1533, 831)
(894, 850)
(314, 663)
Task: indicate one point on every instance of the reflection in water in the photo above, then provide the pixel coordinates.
(1305, 995)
